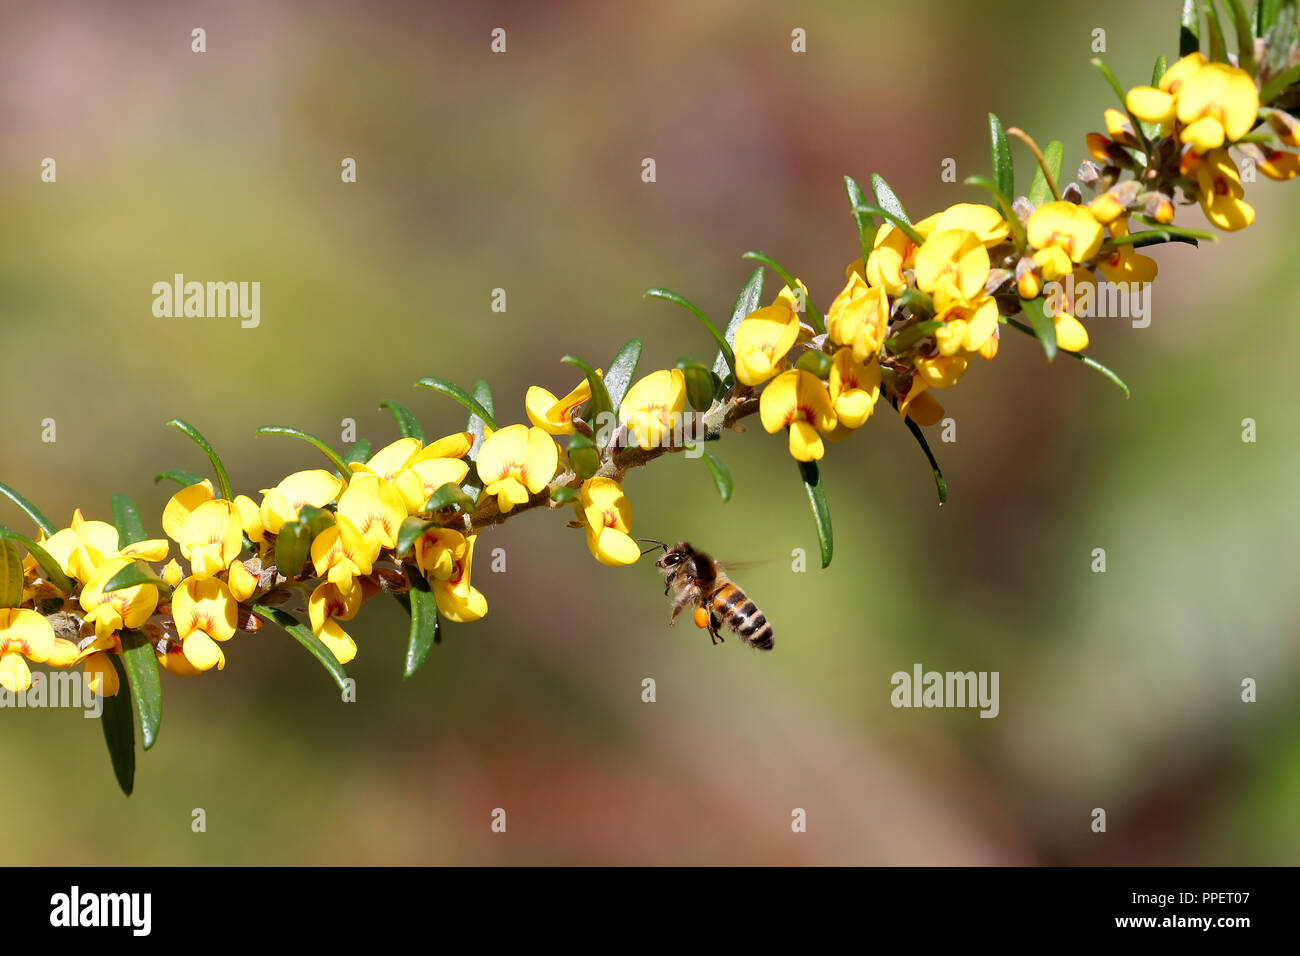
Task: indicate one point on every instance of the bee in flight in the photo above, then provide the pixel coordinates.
(693, 578)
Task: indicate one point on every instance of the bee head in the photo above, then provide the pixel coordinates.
(674, 556)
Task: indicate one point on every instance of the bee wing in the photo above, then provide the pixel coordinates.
(730, 566)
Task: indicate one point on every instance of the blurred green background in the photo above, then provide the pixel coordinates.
(522, 171)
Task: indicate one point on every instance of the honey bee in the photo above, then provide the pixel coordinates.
(693, 578)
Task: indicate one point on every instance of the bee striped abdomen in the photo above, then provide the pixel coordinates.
(740, 614)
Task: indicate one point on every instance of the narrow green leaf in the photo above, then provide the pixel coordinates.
(1178, 231)
(53, 573)
(1040, 191)
(458, 394)
(897, 221)
(1218, 45)
(1086, 360)
(563, 494)
(866, 228)
(747, 301)
(621, 371)
(814, 317)
(126, 518)
(1004, 170)
(1266, 13)
(360, 452)
(135, 574)
(721, 476)
(303, 635)
(142, 665)
(1154, 237)
(816, 362)
(28, 509)
(335, 459)
(812, 482)
(583, 457)
(407, 423)
(940, 485)
(179, 475)
(1144, 130)
(906, 338)
(1189, 31)
(1044, 328)
(193, 434)
(1245, 36)
(475, 423)
(1159, 70)
(11, 573)
(411, 529)
(119, 731)
(447, 495)
(294, 540)
(701, 385)
(1004, 204)
(1279, 84)
(886, 198)
(670, 296)
(424, 625)
(599, 403)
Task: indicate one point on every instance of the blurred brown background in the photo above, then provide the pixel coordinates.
(522, 171)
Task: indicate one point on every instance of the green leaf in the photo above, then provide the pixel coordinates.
(192, 433)
(812, 482)
(723, 347)
(447, 495)
(119, 731)
(940, 485)
(28, 509)
(584, 459)
(599, 403)
(1218, 45)
(359, 453)
(11, 573)
(621, 371)
(1044, 327)
(126, 518)
(1040, 191)
(335, 459)
(1144, 130)
(1086, 360)
(424, 625)
(1189, 31)
(1004, 170)
(142, 665)
(476, 423)
(53, 573)
(1157, 71)
(814, 317)
(293, 543)
(721, 476)
(818, 363)
(886, 199)
(1279, 84)
(137, 573)
(746, 302)
(906, 338)
(563, 494)
(1266, 13)
(866, 228)
(460, 395)
(303, 635)
(1245, 36)
(407, 423)
(1004, 204)
(701, 384)
(887, 216)
(180, 476)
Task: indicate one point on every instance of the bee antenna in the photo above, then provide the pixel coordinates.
(654, 544)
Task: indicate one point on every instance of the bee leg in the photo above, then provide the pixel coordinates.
(715, 626)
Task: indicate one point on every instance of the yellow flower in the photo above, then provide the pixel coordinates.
(516, 462)
(375, 509)
(211, 537)
(243, 582)
(342, 552)
(1063, 233)
(1217, 103)
(389, 460)
(952, 264)
(1221, 192)
(281, 504)
(26, 634)
(892, 252)
(205, 612)
(182, 504)
(426, 474)
(858, 318)
(652, 408)
(854, 389)
(555, 415)
(608, 517)
(1124, 264)
(98, 673)
(114, 610)
(919, 405)
(985, 221)
(447, 555)
(1151, 105)
(326, 607)
(1278, 163)
(761, 342)
(941, 371)
(250, 517)
(85, 545)
(966, 326)
(798, 400)
(175, 661)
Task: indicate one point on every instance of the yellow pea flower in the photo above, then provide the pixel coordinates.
(859, 317)
(798, 400)
(1221, 192)
(1063, 233)
(966, 326)
(555, 415)
(518, 461)
(1278, 163)
(250, 517)
(652, 406)
(114, 610)
(84, 545)
(942, 371)
(375, 508)
(608, 517)
(243, 582)
(98, 673)
(418, 481)
(172, 573)
(175, 661)
(919, 405)
(1151, 105)
(326, 607)
(281, 504)
(343, 553)
(892, 253)
(985, 221)
(761, 342)
(389, 460)
(1125, 264)
(27, 636)
(211, 537)
(952, 264)
(1217, 103)
(1065, 301)
(436, 551)
(447, 556)
(182, 504)
(854, 389)
(205, 613)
